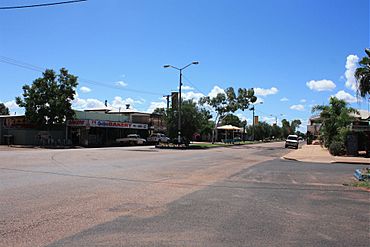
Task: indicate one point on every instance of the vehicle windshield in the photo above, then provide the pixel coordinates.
(292, 138)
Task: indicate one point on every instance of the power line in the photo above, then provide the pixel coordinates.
(29, 66)
(21, 64)
(187, 79)
(40, 5)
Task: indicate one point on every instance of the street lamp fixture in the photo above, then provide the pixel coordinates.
(179, 106)
(276, 117)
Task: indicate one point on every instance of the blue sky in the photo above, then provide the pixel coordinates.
(295, 53)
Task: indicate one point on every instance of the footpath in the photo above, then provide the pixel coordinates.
(318, 154)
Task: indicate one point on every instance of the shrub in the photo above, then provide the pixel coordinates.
(337, 148)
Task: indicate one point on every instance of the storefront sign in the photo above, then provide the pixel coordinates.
(77, 123)
(105, 124)
(139, 126)
(17, 122)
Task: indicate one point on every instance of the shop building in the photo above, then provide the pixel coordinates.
(96, 127)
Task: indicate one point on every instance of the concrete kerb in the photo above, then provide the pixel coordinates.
(287, 158)
(350, 162)
(317, 154)
(325, 162)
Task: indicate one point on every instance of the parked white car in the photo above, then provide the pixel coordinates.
(132, 139)
(157, 138)
(292, 141)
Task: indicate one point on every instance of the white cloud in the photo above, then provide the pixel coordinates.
(321, 85)
(11, 104)
(187, 88)
(297, 107)
(269, 120)
(215, 90)
(242, 117)
(118, 102)
(121, 84)
(346, 96)
(154, 105)
(303, 101)
(264, 92)
(82, 104)
(192, 95)
(351, 65)
(284, 99)
(13, 107)
(85, 89)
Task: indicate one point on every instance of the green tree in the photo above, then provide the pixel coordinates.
(231, 119)
(294, 125)
(362, 75)
(48, 100)
(289, 128)
(285, 129)
(193, 120)
(3, 109)
(228, 102)
(160, 111)
(335, 120)
(262, 131)
(276, 131)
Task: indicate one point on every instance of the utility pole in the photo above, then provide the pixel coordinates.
(179, 107)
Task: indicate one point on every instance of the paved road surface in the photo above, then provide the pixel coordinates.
(139, 196)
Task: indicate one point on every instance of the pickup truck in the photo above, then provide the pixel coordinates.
(292, 141)
(132, 139)
(157, 138)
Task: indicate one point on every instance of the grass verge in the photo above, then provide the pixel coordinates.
(363, 184)
(210, 145)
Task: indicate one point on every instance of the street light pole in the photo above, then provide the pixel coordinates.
(253, 119)
(253, 124)
(179, 106)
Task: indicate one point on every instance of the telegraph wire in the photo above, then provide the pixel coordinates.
(20, 64)
(28, 66)
(40, 5)
(195, 87)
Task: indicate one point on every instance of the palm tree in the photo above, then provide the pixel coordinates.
(335, 120)
(362, 75)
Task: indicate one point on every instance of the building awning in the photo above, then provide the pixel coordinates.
(229, 127)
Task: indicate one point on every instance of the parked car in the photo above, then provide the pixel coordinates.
(157, 138)
(292, 141)
(132, 139)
